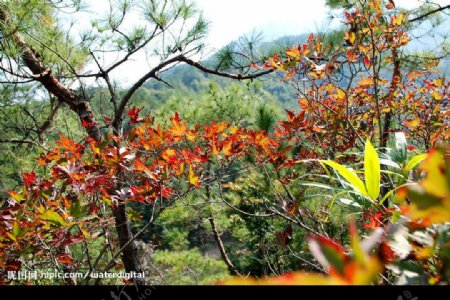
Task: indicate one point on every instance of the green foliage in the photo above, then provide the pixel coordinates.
(372, 171)
(188, 267)
(21, 121)
(340, 3)
(43, 31)
(243, 105)
(176, 224)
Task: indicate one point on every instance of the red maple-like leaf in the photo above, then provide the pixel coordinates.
(65, 259)
(29, 178)
(134, 115)
(372, 220)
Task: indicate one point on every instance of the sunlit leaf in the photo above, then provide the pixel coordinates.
(372, 170)
(415, 161)
(52, 216)
(193, 178)
(348, 175)
(430, 198)
(16, 196)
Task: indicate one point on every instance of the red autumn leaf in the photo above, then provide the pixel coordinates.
(65, 259)
(372, 220)
(134, 115)
(367, 61)
(107, 119)
(176, 118)
(351, 56)
(284, 237)
(167, 192)
(29, 178)
(86, 124)
(386, 253)
(70, 240)
(330, 243)
(348, 16)
(290, 116)
(136, 190)
(328, 253)
(13, 265)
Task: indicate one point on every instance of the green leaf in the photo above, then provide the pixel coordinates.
(348, 175)
(77, 209)
(16, 229)
(350, 202)
(415, 161)
(317, 185)
(334, 258)
(330, 206)
(372, 170)
(53, 217)
(389, 163)
(388, 194)
(11, 236)
(16, 196)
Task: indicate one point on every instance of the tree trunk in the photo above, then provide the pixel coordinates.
(396, 77)
(129, 253)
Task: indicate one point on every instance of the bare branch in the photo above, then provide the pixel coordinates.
(223, 253)
(19, 141)
(224, 74)
(442, 8)
(126, 98)
(179, 58)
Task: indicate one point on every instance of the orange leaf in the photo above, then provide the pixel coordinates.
(65, 259)
(178, 128)
(168, 154)
(413, 123)
(351, 56)
(68, 144)
(227, 146)
(366, 82)
(193, 178)
(390, 5)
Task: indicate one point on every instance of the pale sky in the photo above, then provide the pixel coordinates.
(231, 19)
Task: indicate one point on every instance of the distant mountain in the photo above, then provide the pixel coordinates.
(191, 81)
